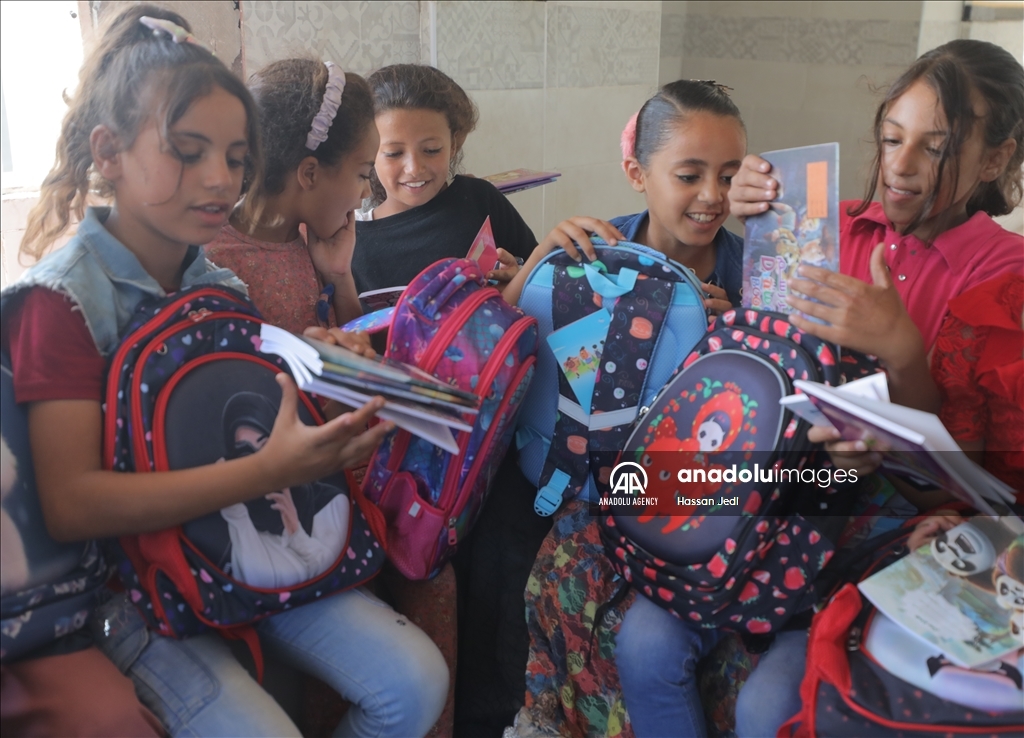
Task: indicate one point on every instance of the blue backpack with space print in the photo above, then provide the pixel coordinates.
(614, 331)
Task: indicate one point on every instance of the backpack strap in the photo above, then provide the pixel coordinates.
(588, 436)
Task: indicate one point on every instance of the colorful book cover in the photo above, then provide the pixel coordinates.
(515, 180)
(484, 251)
(800, 227)
(577, 348)
(961, 592)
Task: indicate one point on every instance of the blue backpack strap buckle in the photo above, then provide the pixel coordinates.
(549, 497)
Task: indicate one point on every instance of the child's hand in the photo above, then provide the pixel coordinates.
(855, 456)
(573, 235)
(357, 342)
(509, 268)
(297, 453)
(864, 317)
(931, 526)
(332, 256)
(718, 303)
(752, 188)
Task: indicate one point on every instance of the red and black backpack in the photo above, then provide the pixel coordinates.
(187, 387)
(747, 564)
(850, 689)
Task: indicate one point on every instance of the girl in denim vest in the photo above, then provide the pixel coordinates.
(160, 127)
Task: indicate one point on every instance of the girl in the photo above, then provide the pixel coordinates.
(423, 211)
(320, 143)
(170, 134)
(950, 137)
(686, 146)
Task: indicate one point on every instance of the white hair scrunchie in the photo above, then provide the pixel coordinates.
(328, 108)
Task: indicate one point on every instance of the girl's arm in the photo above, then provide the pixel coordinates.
(573, 235)
(80, 500)
(332, 259)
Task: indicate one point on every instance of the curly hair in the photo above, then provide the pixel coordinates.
(418, 86)
(289, 94)
(132, 76)
(953, 70)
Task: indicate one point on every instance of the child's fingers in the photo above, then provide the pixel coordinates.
(357, 342)
(580, 238)
(822, 433)
(602, 228)
(289, 399)
(717, 306)
(319, 333)
(359, 449)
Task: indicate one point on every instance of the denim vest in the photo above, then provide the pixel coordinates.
(106, 281)
(52, 587)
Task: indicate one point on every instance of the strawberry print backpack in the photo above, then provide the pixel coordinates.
(614, 331)
(452, 324)
(866, 676)
(188, 386)
(723, 543)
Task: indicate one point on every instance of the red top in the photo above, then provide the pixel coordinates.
(979, 367)
(282, 282)
(928, 277)
(53, 355)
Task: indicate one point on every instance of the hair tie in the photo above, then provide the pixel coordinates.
(717, 85)
(628, 140)
(178, 34)
(328, 108)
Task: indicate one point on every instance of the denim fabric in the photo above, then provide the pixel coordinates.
(771, 695)
(388, 668)
(657, 655)
(106, 281)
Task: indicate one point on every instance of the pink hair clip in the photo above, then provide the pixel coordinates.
(628, 140)
(178, 34)
(328, 108)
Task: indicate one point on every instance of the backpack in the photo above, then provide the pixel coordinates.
(635, 316)
(47, 589)
(187, 387)
(850, 688)
(737, 554)
(452, 324)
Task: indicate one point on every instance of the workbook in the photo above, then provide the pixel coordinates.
(801, 225)
(913, 443)
(413, 399)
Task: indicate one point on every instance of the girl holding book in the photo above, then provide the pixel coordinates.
(170, 135)
(950, 138)
(681, 151)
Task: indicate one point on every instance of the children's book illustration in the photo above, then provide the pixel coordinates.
(962, 592)
(800, 227)
(484, 251)
(577, 348)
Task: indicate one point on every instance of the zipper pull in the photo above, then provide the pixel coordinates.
(452, 536)
(853, 639)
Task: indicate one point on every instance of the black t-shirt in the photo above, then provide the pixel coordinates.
(390, 252)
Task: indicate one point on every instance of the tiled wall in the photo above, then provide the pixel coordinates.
(803, 72)
(554, 82)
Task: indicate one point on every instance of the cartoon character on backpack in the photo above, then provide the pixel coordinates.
(1008, 579)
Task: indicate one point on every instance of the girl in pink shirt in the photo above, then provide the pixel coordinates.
(950, 137)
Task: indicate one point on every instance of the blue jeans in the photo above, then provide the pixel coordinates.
(771, 695)
(391, 672)
(657, 654)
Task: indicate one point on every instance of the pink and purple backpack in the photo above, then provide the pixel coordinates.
(451, 323)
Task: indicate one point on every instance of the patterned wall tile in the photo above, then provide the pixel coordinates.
(802, 40)
(672, 34)
(596, 46)
(359, 36)
(493, 45)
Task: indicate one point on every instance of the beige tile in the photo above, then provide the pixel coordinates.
(598, 190)
(509, 134)
(728, 9)
(670, 68)
(889, 10)
(584, 125)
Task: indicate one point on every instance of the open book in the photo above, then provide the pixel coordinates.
(913, 443)
(516, 180)
(800, 227)
(483, 251)
(413, 399)
(959, 593)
